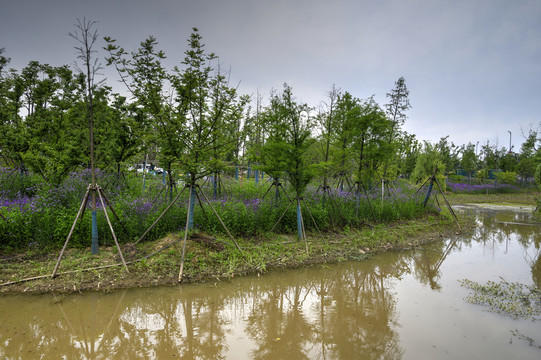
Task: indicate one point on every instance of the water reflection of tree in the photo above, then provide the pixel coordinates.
(428, 261)
(277, 323)
(344, 312)
(363, 316)
(341, 313)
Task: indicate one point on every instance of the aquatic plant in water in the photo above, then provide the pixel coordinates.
(512, 299)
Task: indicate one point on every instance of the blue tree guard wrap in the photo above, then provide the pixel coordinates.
(299, 221)
(428, 192)
(95, 243)
(191, 210)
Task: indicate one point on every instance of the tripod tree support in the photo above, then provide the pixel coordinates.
(433, 180)
(159, 217)
(193, 191)
(95, 189)
(300, 222)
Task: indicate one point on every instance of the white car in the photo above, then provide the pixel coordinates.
(139, 168)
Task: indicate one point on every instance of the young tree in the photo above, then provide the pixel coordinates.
(55, 128)
(287, 144)
(369, 133)
(86, 35)
(429, 158)
(408, 150)
(448, 154)
(14, 141)
(146, 78)
(396, 111)
(327, 124)
(469, 160)
(346, 111)
(204, 105)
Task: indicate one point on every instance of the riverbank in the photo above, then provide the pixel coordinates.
(520, 198)
(211, 258)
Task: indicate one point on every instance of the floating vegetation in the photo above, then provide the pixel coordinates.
(512, 299)
(521, 336)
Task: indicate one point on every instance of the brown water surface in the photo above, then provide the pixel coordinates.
(406, 305)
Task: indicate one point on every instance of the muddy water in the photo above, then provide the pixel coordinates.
(408, 305)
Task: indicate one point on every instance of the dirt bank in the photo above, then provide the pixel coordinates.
(209, 258)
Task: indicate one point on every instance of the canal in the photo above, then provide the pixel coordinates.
(406, 305)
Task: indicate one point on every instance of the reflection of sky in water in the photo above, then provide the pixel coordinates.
(405, 305)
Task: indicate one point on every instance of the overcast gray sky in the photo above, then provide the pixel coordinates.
(473, 67)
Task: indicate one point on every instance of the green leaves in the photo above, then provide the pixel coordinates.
(290, 125)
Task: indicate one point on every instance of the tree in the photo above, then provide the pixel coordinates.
(86, 36)
(429, 158)
(370, 128)
(286, 147)
(13, 142)
(121, 133)
(327, 124)
(289, 139)
(469, 160)
(526, 169)
(490, 156)
(204, 105)
(55, 129)
(346, 110)
(449, 154)
(408, 150)
(146, 78)
(396, 111)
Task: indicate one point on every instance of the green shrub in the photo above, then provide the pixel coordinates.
(507, 177)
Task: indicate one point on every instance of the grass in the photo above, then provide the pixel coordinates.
(529, 197)
(205, 261)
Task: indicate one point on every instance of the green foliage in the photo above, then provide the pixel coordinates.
(526, 168)
(538, 176)
(290, 137)
(44, 220)
(427, 160)
(507, 177)
(469, 160)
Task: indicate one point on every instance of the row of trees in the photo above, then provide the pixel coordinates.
(478, 160)
(191, 119)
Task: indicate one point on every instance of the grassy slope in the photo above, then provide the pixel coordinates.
(213, 259)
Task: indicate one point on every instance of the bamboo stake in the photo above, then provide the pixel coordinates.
(92, 268)
(287, 208)
(84, 205)
(221, 222)
(159, 217)
(420, 187)
(185, 235)
(448, 205)
(331, 196)
(113, 210)
(111, 228)
(200, 203)
(284, 190)
(85, 199)
(368, 199)
(315, 224)
(302, 224)
(270, 187)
